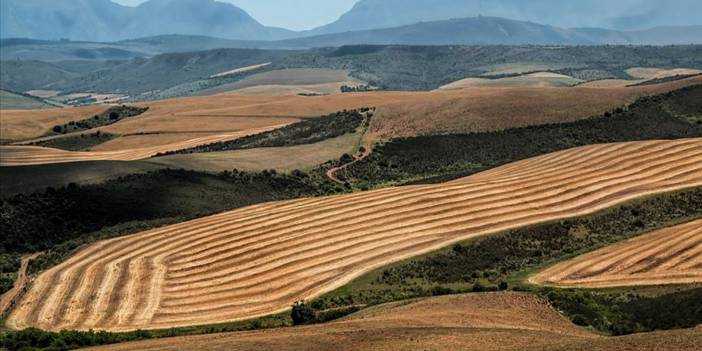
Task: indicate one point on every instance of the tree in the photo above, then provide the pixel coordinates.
(302, 314)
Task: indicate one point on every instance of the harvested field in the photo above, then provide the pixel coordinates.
(36, 155)
(532, 80)
(667, 256)
(25, 124)
(489, 109)
(284, 159)
(495, 321)
(260, 259)
(399, 113)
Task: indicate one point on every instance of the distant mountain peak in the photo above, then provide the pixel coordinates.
(104, 20)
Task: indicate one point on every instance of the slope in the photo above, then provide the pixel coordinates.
(259, 260)
(491, 322)
(668, 256)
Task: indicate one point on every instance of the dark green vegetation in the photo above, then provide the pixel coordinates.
(61, 220)
(77, 142)
(503, 260)
(112, 115)
(442, 157)
(385, 67)
(630, 311)
(29, 179)
(306, 132)
(429, 67)
(9, 265)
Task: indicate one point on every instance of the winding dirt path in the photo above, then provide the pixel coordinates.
(9, 297)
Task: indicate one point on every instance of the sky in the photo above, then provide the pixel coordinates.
(290, 14)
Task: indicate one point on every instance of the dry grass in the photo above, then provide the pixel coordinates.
(25, 124)
(490, 322)
(279, 89)
(259, 260)
(283, 159)
(668, 256)
(399, 113)
(489, 109)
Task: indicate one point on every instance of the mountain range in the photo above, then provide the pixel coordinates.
(106, 21)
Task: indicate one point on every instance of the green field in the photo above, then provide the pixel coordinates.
(15, 101)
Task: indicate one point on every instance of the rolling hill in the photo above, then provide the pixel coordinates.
(258, 260)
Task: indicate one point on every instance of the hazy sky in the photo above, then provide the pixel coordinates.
(290, 14)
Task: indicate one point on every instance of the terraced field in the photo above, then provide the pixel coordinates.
(37, 155)
(259, 260)
(667, 256)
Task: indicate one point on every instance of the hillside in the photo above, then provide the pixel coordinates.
(11, 100)
(633, 14)
(490, 322)
(221, 268)
(104, 20)
(498, 31)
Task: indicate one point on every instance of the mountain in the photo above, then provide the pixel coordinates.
(620, 14)
(104, 20)
(497, 31)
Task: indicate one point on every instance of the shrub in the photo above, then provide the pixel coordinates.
(302, 314)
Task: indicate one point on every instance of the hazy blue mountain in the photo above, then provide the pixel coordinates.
(103, 20)
(619, 14)
(498, 31)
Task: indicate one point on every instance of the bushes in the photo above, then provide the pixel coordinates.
(112, 115)
(302, 314)
(622, 313)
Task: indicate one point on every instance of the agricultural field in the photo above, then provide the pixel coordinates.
(237, 256)
(668, 256)
(10, 100)
(489, 321)
(36, 155)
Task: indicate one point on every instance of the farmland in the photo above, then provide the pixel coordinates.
(668, 256)
(237, 256)
(492, 321)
